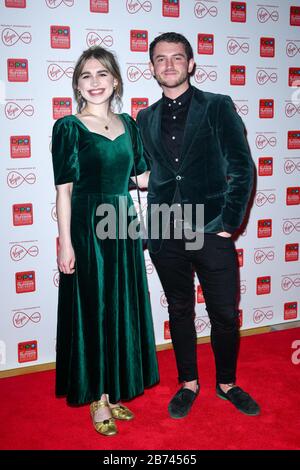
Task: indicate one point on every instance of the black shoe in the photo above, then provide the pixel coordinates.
(240, 399)
(181, 403)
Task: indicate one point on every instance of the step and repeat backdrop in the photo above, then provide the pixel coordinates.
(248, 50)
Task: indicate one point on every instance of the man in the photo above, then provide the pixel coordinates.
(198, 154)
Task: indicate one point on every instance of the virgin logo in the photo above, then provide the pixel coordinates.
(56, 3)
(163, 300)
(260, 314)
(56, 278)
(234, 46)
(265, 14)
(291, 109)
(261, 198)
(261, 255)
(18, 252)
(134, 73)
(20, 319)
(201, 10)
(292, 49)
(94, 39)
(56, 72)
(262, 77)
(290, 225)
(262, 141)
(13, 110)
(290, 281)
(149, 266)
(15, 179)
(201, 75)
(202, 324)
(133, 6)
(290, 166)
(10, 37)
(243, 288)
(53, 213)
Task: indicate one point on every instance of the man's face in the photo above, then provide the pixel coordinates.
(170, 65)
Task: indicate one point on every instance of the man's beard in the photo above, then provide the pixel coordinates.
(175, 84)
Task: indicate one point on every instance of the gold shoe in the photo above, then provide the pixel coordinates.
(106, 427)
(122, 412)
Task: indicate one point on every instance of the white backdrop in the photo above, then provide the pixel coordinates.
(248, 50)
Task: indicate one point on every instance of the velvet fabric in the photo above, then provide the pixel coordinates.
(105, 337)
(216, 166)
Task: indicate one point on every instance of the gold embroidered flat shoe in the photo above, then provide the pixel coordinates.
(107, 427)
(122, 412)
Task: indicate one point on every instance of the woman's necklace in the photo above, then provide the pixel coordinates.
(106, 125)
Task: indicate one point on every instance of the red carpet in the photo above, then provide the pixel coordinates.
(32, 418)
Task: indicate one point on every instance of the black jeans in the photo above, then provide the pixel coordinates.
(217, 270)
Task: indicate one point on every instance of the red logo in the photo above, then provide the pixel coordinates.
(171, 8)
(200, 297)
(265, 166)
(25, 282)
(27, 351)
(295, 16)
(205, 44)
(238, 12)
(138, 40)
(293, 140)
(22, 214)
(20, 146)
(240, 318)
(61, 107)
(137, 104)
(15, 3)
(266, 108)
(60, 37)
(264, 228)
(240, 257)
(17, 70)
(99, 6)
(263, 285)
(167, 334)
(267, 47)
(294, 76)
(290, 310)
(291, 252)
(293, 196)
(237, 75)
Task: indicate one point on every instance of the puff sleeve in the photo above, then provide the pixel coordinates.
(65, 151)
(137, 145)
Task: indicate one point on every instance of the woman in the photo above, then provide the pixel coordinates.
(105, 340)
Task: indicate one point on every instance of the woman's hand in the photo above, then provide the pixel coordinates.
(142, 180)
(66, 259)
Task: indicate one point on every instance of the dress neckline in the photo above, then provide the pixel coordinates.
(97, 133)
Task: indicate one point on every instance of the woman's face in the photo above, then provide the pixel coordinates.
(95, 82)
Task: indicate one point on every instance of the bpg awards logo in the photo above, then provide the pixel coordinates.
(263, 285)
(10, 36)
(99, 6)
(20, 146)
(295, 15)
(60, 37)
(199, 295)
(266, 108)
(265, 166)
(99, 37)
(171, 8)
(240, 257)
(138, 40)
(206, 8)
(22, 214)
(264, 228)
(137, 104)
(238, 12)
(15, 3)
(25, 282)
(17, 70)
(134, 6)
(293, 140)
(27, 351)
(267, 47)
(237, 75)
(205, 44)
(291, 252)
(61, 107)
(293, 196)
(290, 310)
(294, 76)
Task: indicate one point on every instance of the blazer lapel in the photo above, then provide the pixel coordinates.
(194, 122)
(155, 132)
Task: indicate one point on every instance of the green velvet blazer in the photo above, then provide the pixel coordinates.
(216, 170)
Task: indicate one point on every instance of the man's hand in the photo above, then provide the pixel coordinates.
(224, 234)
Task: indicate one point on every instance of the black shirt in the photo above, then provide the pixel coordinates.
(173, 121)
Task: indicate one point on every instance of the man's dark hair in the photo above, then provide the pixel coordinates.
(172, 37)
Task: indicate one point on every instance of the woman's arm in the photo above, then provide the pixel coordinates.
(142, 180)
(66, 255)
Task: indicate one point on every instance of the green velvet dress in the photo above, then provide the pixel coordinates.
(105, 337)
